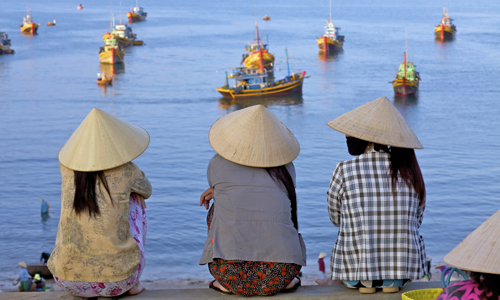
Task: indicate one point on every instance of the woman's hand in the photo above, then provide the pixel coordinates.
(206, 197)
(140, 200)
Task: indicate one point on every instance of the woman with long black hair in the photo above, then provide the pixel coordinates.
(253, 245)
(377, 199)
(99, 247)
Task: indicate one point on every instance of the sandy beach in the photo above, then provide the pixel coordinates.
(165, 284)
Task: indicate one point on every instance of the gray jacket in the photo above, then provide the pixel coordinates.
(252, 216)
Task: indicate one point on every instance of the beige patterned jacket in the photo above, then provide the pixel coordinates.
(99, 249)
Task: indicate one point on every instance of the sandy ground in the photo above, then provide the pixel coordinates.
(164, 284)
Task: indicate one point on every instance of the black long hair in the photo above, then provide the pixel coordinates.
(85, 192)
(404, 164)
(281, 175)
(488, 283)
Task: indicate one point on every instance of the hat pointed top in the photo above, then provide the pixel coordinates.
(102, 142)
(479, 251)
(379, 122)
(253, 137)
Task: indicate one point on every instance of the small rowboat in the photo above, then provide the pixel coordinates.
(138, 43)
(266, 18)
(105, 81)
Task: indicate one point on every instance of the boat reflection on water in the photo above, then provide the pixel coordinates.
(112, 70)
(231, 105)
(405, 101)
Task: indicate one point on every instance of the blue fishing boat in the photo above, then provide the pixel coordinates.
(254, 82)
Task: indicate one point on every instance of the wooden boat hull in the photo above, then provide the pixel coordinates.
(138, 43)
(125, 42)
(283, 88)
(410, 87)
(444, 32)
(133, 17)
(29, 28)
(253, 61)
(331, 45)
(111, 57)
(42, 270)
(51, 24)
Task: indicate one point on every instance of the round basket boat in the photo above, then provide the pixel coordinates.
(424, 294)
(106, 81)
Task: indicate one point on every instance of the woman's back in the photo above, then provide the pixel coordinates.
(252, 217)
(87, 247)
(378, 234)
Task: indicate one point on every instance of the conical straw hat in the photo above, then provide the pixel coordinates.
(253, 137)
(378, 122)
(480, 250)
(103, 142)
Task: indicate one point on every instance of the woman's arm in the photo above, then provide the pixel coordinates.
(335, 192)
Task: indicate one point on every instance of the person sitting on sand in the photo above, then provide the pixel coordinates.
(478, 253)
(377, 199)
(253, 245)
(24, 278)
(39, 282)
(99, 247)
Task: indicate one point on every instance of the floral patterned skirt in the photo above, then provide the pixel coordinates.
(251, 278)
(138, 228)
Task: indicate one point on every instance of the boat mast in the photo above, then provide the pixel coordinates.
(330, 11)
(287, 65)
(404, 78)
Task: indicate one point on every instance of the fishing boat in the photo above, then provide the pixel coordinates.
(103, 79)
(28, 25)
(267, 18)
(51, 23)
(258, 54)
(111, 52)
(331, 41)
(446, 29)
(123, 33)
(407, 79)
(253, 83)
(5, 44)
(137, 14)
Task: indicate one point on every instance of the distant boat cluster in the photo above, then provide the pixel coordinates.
(256, 77)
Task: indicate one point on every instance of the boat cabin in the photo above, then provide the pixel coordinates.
(446, 21)
(254, 47)
(249, 79)
(411, 73)
(138, 10)
(123, 31)
(332, 32)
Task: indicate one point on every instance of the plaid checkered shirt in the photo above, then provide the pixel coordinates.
(378, 229)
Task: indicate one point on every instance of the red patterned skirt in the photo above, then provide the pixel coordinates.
(252, 278)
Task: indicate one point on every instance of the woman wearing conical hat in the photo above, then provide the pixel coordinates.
(253, 245)
(377, 200)
(478, 253)
(99, 247)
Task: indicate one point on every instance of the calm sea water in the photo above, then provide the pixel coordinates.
(168, 87)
